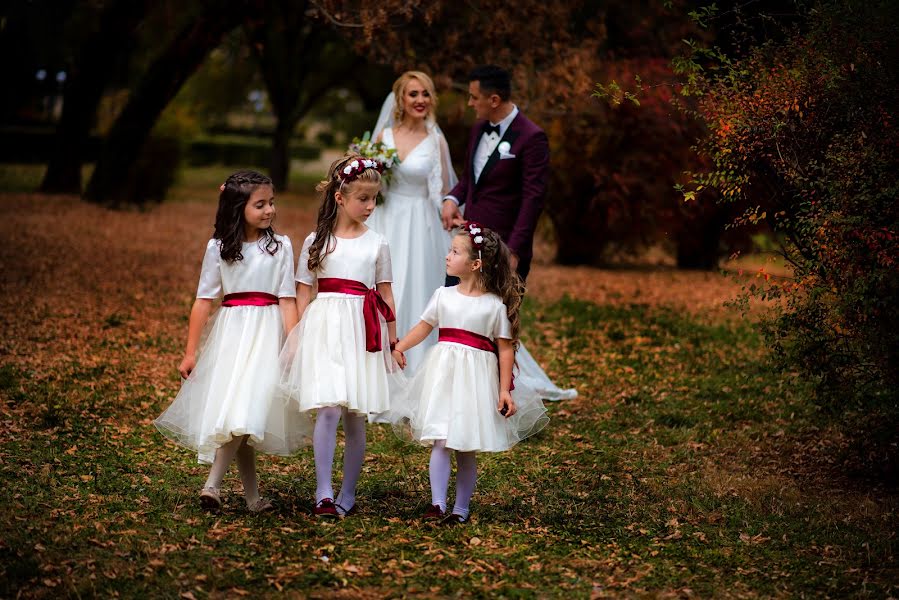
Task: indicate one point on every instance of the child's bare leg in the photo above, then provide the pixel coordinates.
(439, 470)
(223, 457)
(324, 441)
(353, 457)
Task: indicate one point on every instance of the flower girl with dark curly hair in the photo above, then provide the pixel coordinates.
(462, 397)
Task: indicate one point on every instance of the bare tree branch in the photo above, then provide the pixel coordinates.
(331, 18)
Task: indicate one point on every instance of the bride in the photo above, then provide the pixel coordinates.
(410, 216)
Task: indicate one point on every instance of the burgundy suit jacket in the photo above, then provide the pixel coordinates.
(509, 194)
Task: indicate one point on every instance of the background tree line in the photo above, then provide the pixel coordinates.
(613, 168)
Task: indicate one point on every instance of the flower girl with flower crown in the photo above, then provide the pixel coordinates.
(462, 398)
(336, 359)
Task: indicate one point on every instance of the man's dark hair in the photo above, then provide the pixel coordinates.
(492, 80)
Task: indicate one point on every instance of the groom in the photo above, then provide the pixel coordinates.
(506, 167)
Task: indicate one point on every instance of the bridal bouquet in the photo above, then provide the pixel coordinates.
(378, 151)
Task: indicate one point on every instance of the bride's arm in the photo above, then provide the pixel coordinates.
(449, 179)
(451, 195)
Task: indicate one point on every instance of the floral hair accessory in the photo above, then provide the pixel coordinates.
(222, 187)
(476, 233)
(376, 151)
(357, 167)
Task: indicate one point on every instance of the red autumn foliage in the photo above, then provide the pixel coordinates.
(613, 168)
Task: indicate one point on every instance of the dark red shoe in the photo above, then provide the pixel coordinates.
(452, 520)
(325, 509)
(433, 513)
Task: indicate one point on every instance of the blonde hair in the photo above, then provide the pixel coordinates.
(399, 88)
(327, 212)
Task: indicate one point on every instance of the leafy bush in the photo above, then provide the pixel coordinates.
(804, 128)
(614, 173)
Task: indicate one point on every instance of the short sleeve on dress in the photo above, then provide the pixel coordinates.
(287, 287)
(429, 316)
(210, 286)
(502, 327)
(304, 275)
(383, 267)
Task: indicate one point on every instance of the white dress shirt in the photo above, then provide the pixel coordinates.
(488, 143)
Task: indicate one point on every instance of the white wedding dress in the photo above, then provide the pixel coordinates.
(410, 220)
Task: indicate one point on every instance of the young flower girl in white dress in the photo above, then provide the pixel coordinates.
(463, 398)
(227, 405)
(336, 360)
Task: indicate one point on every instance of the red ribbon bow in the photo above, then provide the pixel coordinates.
(372, 304)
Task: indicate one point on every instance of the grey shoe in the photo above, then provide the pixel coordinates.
(210, 499)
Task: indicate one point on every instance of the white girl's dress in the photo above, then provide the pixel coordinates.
(325, 361)
(454, 394)
(232, 390)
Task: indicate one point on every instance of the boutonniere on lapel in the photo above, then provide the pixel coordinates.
(504, 148)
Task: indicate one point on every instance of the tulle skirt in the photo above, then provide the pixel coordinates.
(454, 396)
(531, 375)
(232, 391)
(324, 361)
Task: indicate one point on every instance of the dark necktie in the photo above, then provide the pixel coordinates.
(488, 128)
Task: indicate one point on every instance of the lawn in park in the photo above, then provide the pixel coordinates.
(686, 466)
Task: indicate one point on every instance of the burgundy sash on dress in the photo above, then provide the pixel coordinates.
(470, 338)
(372, 305)
(249, 299)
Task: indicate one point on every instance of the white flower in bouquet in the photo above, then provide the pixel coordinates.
(377, 151)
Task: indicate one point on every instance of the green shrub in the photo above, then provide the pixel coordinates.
(804, 128)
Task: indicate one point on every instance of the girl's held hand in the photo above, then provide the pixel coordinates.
(506, 402)
(187, 365)
(400, 358)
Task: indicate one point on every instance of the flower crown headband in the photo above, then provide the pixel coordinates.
(357, 167)
(476, 233)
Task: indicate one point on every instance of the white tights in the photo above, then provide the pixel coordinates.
(246, 466)
(466, 477)
(324, 442)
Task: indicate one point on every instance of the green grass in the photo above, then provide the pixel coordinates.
(23, 178)
(671, 472)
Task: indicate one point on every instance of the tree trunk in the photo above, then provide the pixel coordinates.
(84, 89)
(699, 242)
(300, 60)
(156, 89)
(280, 165)
(279, 40)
